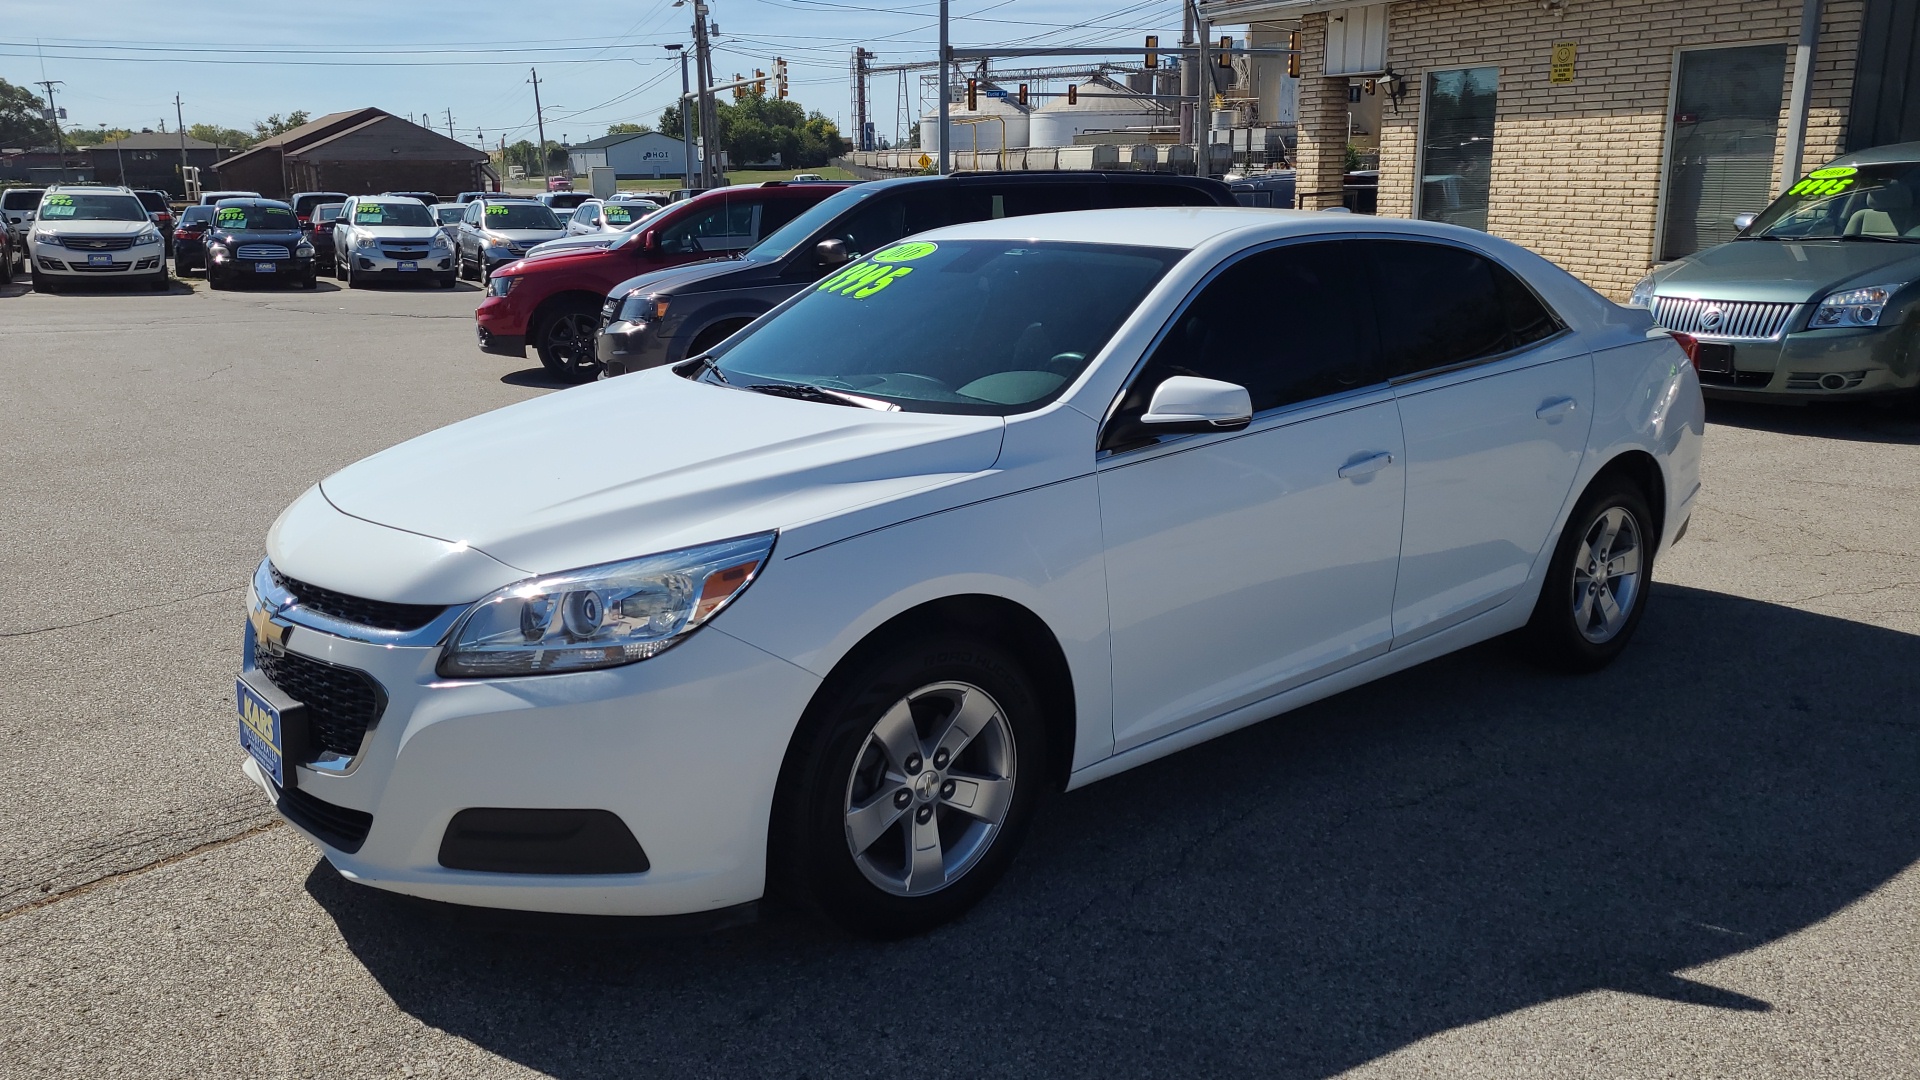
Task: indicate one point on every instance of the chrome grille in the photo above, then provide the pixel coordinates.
(97, 243)
(1732, 320)
(263, 251)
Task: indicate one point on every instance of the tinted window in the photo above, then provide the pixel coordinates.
(61, 206)
(1125, 194)
(801, 228)
(328, 212)
(1280, 323)
(722, 224)
(1018, 200)
(196, 215)
(152, 200)
(994, 326)
(510, 215)
(1440, 305)
(279, 218)
(887, 219)
(1527, 318)
(21, 198)
(410, 214)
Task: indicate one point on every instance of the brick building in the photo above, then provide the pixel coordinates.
(151, 159)
(361, 151)
(1607, 135)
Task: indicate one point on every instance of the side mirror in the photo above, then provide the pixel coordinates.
(649, 241)
(1186, 403)
(1744, 221)
(831, 253)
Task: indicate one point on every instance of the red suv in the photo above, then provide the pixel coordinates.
(552, 302)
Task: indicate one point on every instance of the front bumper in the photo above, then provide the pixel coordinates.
(631, 346)
(684, 748)
(501, 344)
(376, 262)
(501, 323)
(290, 269)
(1818, 365)
(141, 261)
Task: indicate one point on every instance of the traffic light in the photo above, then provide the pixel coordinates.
(1293, 58)
(1023, 93)
(973, 95)
(759, 82)
(739, 91)
(780, 75)
(1226, 57)
(1153, 50)
(1073, 93)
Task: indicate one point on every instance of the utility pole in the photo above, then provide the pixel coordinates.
(860, 105)
(946, 89)
(449, 123)
(53, 117)
(180, 125)
(709, 118)
(1189, 77)
(686, 123)
(540, 121)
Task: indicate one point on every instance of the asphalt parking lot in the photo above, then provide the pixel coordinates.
(1702, 862)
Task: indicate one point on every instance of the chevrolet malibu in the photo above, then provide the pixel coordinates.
(1002, 508)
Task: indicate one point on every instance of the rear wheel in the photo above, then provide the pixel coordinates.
(565, 341)
(714, 335)
(1596, 586)
(906, 793)
(342, 267)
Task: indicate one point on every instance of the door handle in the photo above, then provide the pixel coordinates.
(1365, 466)
(1556, 410)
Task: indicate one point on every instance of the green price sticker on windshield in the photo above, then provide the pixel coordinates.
(863, 279)
(59, 200)
(369, 213)
(231, 213)
(619, 215)
(899, 253)
(1820, 182)
(496, 210)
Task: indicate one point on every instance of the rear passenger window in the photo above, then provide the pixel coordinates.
(1121, 193)
(1280, 323)
(1443, 305)
(887, 219)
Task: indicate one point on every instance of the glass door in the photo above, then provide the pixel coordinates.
(1456, 148)
(1726, 117)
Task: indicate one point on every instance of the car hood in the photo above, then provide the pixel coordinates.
(288, 237)
(65, 226)
(400, 232)
(582, 243)
(525, 236)
(696, 277)
(1786, 271)
(648, 463)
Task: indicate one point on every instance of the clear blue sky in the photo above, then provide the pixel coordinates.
(600, 62)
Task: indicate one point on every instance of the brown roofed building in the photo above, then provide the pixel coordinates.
(362, 151)
(152, 160)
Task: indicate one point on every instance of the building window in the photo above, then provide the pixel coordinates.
(1456, 149)
(1726, 117)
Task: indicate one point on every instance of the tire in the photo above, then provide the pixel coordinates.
(161, 283)
(855, 779)
(464, 270)
(448, 282)
(352, 279)
(6, 267)
(42, 285)
(310, 282)
(215, 281)
(342, 268)
(179, 267)
(1571, 628)
(565, 340)
(714, 335)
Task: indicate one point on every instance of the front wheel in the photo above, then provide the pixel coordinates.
(905, 794)
(1597, 582)
(565, 343)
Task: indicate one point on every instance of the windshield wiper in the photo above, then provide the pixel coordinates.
(1875, 239)
(707, 364)
(809, 392)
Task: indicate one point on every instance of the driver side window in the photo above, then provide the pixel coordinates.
(1290, 324)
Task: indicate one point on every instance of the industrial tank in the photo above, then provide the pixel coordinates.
(988, 131)
(1101, 105)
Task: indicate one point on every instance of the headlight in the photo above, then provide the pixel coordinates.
(46, 238)
(365, 240)
(151, 236)
(1855, 307)
(303, 249)
(494, 243)
(1642, 293)
(440, 242)
(643, 306)
(602, 616)
(500, 286)
(217, 251)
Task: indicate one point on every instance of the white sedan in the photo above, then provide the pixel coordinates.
(1004, 507)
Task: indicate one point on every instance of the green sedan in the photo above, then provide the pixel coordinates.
(1819, 295)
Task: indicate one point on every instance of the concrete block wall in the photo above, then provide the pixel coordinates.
(1577, 167)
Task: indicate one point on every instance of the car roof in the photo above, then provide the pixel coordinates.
(253, 202)
(1892, 154)
(390, 198)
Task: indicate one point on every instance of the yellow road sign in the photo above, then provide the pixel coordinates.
(924, 161)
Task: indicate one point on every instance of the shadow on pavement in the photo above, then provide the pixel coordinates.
(1892, 420)
(537, 377)
(1448, 845)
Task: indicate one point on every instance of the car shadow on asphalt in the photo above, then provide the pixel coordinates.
(1895, 420)
(1435, 849)
(537, 377)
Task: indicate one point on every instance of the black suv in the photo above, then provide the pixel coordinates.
(257, 240)
(668, 315)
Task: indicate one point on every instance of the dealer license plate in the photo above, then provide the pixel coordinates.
(1715, 358)
(100, 258)
(409, 266)
(261, 732)
(265, 268)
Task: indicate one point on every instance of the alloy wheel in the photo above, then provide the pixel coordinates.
(930, 788)
(1606, 575)
(570, 339)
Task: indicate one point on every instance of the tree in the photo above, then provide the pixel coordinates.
(94, 136)
(220, 136)
(20, 123)
(627, 129)
(670, 122)
(274, 125)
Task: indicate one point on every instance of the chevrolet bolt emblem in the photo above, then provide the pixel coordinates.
(269, 636)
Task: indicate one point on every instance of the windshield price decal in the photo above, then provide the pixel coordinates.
(619, 214)
(231, 213)
(1825, 182)
(58, 206)
(59, 200)
(369, 213)
(899, 253)
(862, 280)
(497, 210)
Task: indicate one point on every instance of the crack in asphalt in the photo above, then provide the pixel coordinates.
(82, 888)
(117, 614)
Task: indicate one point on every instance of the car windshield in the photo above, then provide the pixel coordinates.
(152, 200)
(196, 215)
(1875, 202)
(276, 218)
(450, 213)
(568, 201)
(61, 206)
(404, 214)
(791, 235)
(525, 215)
(969, 326)
(328, 211)
(21, 198)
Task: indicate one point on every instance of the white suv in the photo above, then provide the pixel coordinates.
(101, 233)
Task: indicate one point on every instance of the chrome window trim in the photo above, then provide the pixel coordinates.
(284, 608)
